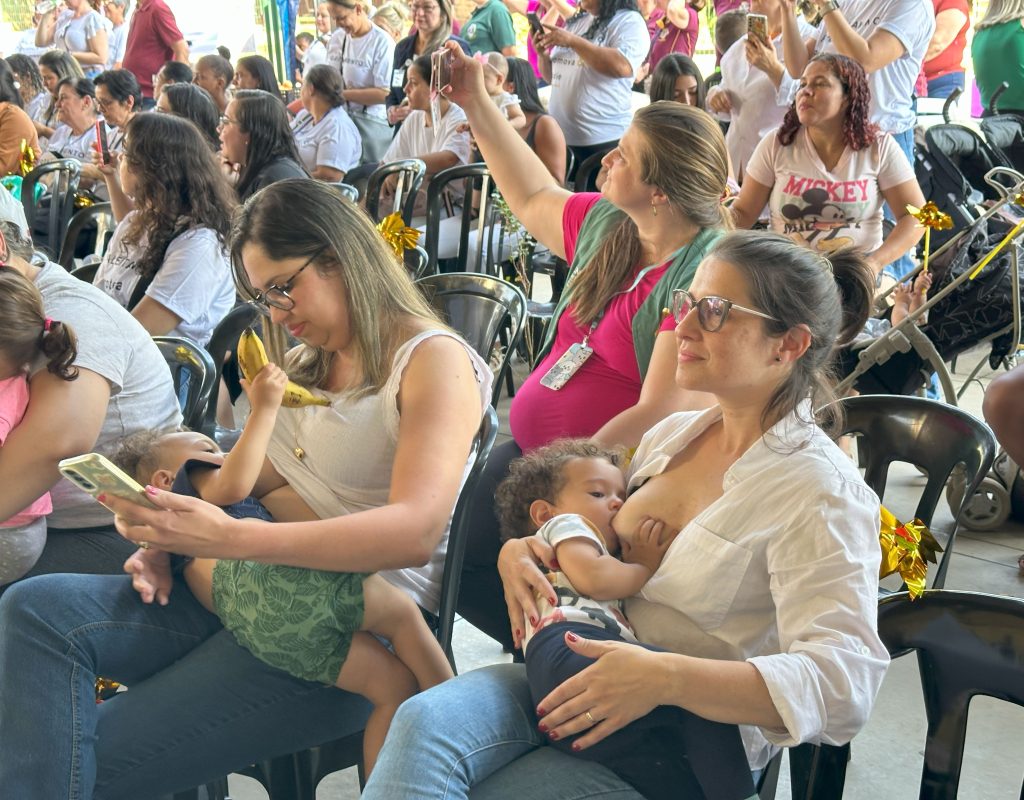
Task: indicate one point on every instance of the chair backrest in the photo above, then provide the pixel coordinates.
(462, 519)
(481, 308)
(221, 347)
(346, 190)
(194, 375)
(410, 173)
(98, 215)
(438, 208)
(933, 436)
(66, 174)
(86, 272)
(967, 644)
(586, 175)
(418, 263)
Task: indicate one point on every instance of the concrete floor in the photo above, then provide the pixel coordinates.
(887, 755)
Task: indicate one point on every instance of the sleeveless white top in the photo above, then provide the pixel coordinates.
(348, 451)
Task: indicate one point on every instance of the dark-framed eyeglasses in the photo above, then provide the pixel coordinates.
(712, 311)
(277, 295)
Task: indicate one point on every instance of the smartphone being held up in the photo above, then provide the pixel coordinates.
(536, 26)
(96, 475)
(757, 27)
(101, 141)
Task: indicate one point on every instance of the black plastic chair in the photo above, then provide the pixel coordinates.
(439, 207)
(938, 439)
(65, 176)
(194, 375)
(296, 776)
(86, 272)
(410, 173)
(586, 175)
(967, 644)
(484, 309)
(98, 217)
(346, 190)
(221, 348)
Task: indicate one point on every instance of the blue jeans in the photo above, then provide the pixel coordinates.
(944, 85)
(198, 707)
(479, 730)
(904, 264)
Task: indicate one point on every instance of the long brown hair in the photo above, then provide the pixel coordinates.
(338, 235)
(27, 332)
(176, 183)
(682, 153)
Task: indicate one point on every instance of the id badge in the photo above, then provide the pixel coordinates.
(398, 78)
(567, 366)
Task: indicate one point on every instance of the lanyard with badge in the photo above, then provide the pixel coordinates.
(579, 352)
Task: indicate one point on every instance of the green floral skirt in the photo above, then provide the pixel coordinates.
(298, 620)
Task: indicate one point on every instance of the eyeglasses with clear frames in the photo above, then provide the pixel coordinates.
(424, 8)
(224, 121)
(712, 311)
(277, 294)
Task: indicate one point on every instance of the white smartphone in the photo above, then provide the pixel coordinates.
(96, 475)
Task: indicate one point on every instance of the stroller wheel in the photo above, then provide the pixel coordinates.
(988, 508)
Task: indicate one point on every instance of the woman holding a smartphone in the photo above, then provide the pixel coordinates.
(79, 30)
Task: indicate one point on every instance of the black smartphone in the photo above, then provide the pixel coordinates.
(101, 141)
(536, 26)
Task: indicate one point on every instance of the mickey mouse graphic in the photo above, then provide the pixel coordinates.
(819, 222)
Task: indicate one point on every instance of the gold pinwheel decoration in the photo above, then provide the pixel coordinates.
(906, 548)
(395, 232)
(26, 159)
(930, 218)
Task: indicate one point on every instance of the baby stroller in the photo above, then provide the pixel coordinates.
(962, 315)
(1004, 132)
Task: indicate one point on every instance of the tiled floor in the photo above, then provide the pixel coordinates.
(887, 755)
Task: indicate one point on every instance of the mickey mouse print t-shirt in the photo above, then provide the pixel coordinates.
(828, 209)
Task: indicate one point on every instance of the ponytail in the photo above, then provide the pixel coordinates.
(59, 344)
(28, 333)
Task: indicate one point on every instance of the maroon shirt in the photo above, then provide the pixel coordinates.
(152, 32)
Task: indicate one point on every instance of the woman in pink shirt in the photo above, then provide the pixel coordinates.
(607, 364)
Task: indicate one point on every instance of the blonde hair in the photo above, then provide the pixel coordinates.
(1000, 11)
(396, 15)
(498, 63)
(682, 152)
(380, 297)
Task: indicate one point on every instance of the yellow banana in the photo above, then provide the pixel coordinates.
(252, 358)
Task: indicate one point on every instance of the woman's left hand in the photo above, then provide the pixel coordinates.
(762, 55)
(179, 524)
(622, 685)
(554, 36)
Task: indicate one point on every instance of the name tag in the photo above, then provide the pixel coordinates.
(398, 78)
(567, 366)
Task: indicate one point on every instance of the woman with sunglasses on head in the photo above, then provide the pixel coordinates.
(167, 262)
(257, 145)
(766, 610)
(380, 463)
(825, 173)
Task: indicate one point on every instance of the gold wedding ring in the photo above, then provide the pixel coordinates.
(144, 545)
(590, 718)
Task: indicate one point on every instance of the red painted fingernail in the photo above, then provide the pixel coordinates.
(102, 498)
(533, 620)
(542, 727)
(554, 564)
(576, 747)
(572, 637)
(519, 634)
(151, 491)
(541, 712)
(553, 736)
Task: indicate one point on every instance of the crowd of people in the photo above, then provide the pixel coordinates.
(678, 628)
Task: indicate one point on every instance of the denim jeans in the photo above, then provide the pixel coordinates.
(904, 264)
(944, 85)
(198, 706)
(479, 730)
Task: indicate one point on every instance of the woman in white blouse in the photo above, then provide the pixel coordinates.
(327, 140)
(767, 608)
(80, 31)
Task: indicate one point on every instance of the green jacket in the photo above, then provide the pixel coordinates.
(600, 222)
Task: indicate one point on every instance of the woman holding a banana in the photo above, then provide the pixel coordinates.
(167, 262)
(381, 466)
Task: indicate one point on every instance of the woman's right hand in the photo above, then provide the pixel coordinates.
(719, 101)
(398, 113)
(466, 83)
(522, 580)
(179, 524)
(109, 170)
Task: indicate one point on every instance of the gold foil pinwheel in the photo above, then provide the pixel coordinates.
(930, 218)
(906, 547)
(26, 159)
(397, 234)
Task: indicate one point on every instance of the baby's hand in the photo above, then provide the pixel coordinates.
(648, 544)
(151, 575)
(922, 283)
(266, 390)
(901, 294)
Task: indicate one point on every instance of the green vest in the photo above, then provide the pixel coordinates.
(601, 221)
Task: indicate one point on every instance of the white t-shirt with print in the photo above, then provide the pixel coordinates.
(334, 141)
(365, 63)
(69, 145)
(590, 107)
(194, 282)
(571, 605)
(910, 21)
(827, 209)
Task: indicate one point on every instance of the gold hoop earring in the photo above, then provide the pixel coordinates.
(654, 209)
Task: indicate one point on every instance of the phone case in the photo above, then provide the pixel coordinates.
(96, 475)
(101, 140)
(535, 24)
(757, 26)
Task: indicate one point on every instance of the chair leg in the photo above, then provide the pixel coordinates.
(818, 772)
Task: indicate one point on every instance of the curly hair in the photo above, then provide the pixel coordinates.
(175, 184)
(540, 475)
(137, 454)
(858, 130)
